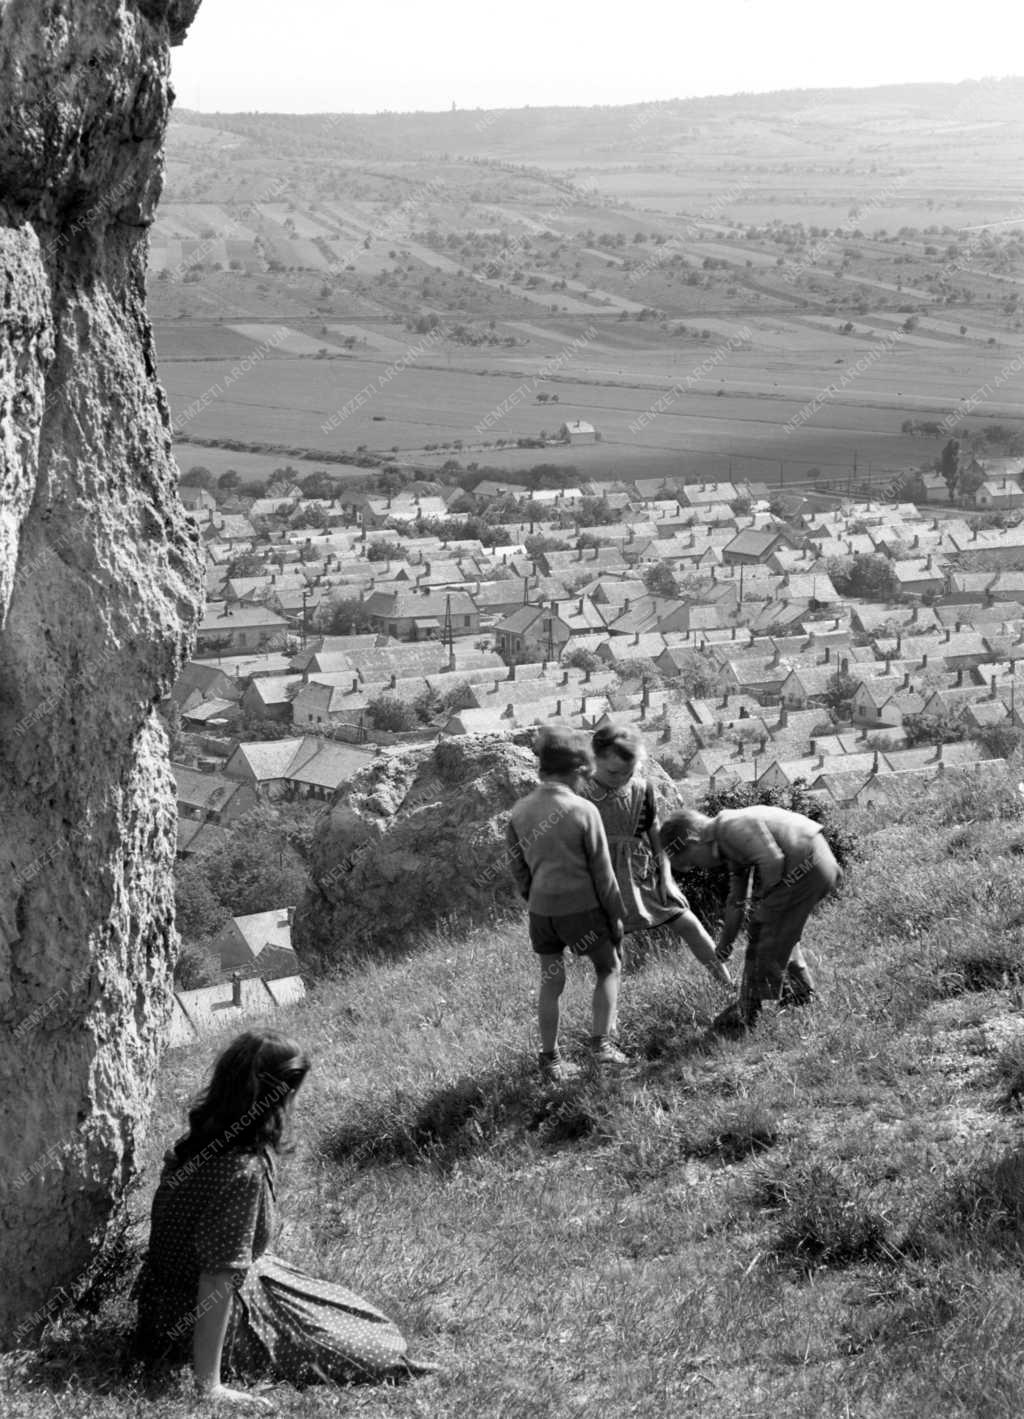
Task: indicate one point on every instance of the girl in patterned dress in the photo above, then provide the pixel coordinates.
(209, 1287)
(625, 801)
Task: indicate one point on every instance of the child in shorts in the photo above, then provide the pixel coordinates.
(559, 857)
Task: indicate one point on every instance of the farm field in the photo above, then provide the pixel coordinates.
(417, 276)
(256, 467)
(331, 406)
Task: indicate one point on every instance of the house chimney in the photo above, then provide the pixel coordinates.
(874, 763)
(355, 684)
(828, 654)
(938, 753)
(636, 637)
(579, 607)
(719, 729)
(625, 604)
(906, 680)
(992, 696)
(924, 661)
(394, 681)
(783, 717)
(558, 709)
(236, 988)
(565, 677)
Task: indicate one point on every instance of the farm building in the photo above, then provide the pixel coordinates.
(576, 431)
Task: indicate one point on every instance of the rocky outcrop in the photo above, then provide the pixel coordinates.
(99, 590)
(414, 839)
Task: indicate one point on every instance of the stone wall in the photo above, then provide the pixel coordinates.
(99, 592)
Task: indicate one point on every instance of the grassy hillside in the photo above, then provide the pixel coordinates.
(824, 1219)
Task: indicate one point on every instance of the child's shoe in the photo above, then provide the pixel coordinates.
(556, 1069)
(606, 1054)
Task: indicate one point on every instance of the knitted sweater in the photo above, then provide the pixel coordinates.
(559, 854)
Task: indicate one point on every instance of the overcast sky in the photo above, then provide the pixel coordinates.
(304, 56)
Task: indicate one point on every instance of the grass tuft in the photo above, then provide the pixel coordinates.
(996, 965)
(823, 1219)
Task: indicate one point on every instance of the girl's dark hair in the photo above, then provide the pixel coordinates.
(618, 739)
(244, 1106)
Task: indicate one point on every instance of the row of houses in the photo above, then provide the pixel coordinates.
(760, 618)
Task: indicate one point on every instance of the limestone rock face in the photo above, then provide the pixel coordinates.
(414, 839)
(409, 840)
(99, 591)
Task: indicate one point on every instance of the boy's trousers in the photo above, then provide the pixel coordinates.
(774, 960)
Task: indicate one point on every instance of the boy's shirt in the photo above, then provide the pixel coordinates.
(771, 839)
(559, 854)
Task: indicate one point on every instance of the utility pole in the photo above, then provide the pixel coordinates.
(448, 637)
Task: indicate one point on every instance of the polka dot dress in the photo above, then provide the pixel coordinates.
(217, 1214)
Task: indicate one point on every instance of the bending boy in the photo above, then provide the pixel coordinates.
(559, 857)
(793, 870)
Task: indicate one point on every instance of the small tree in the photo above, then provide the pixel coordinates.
(385, 552)
(839, 691)
(391, 714)
(660, 580)
(865, 575)
(196, 966)
(949, 465)
(582, 659)
(942, 728)
(198, 477)
(999, 741)
(427, 705)
(343, 616)
(696, 677)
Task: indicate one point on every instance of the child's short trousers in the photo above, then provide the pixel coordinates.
(585, 933)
